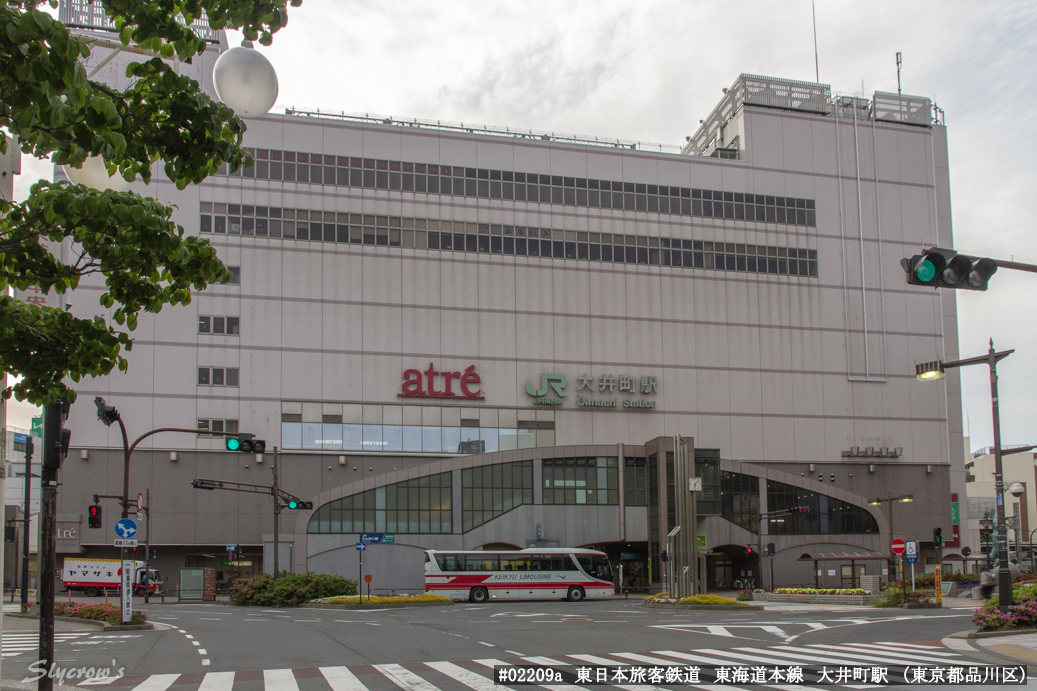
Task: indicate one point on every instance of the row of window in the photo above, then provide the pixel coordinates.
(492, 490)
(482, 238)
(481, 183)
(826, 514)
(422, 505)
(581, 480)
(319, 436)
(217, 376)
(505, 562)
(219, 325)
(635, 480)
(208, 424)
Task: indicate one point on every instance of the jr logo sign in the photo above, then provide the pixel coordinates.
(548, 382)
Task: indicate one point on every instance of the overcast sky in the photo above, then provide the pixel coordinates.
(650, 70)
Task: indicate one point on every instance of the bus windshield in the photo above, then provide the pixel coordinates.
(596, 566)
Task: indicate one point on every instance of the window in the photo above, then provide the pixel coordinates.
(826, 515)
(420, 506)
(740, 500)
(207, 425)
(635, 480)
(217, 376)
(235, 275)
(230, 326)
(492, 490)
(456, 181)
(596, 566)
(581, 480)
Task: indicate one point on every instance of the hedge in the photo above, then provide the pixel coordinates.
(289, 589)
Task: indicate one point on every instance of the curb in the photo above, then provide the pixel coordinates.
(386, 605)
(103, 625)
(997, 634)
(705, 608)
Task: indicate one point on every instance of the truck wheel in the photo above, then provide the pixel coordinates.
(92, 592)
(479, 595)
(139, 592)
(575, 594)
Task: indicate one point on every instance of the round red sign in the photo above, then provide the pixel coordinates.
(898, 546)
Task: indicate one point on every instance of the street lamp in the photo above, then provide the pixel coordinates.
(889, 499)
(1016, 489)
(922, 373)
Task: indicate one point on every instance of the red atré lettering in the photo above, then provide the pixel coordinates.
(418, 384)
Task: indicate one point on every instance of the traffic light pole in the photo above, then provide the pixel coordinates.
(27, 517)
(277, 518)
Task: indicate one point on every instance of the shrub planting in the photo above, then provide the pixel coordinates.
(822, 591)
(289, 589)
(110, 614)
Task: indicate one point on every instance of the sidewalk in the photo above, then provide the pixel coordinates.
(1022, 647)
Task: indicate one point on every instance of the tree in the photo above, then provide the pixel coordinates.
(49, 104)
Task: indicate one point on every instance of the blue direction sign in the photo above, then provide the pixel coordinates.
(125, 528)
(375, 538)
(360, 547)
(912, 552)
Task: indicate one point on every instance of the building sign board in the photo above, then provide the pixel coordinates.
(435, 384)
(600, 391)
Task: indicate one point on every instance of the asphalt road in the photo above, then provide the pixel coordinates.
(193, 641)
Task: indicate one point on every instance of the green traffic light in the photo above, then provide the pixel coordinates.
(233, 443)
(925, 271)
(293, 505)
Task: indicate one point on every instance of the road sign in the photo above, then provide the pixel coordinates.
(898, 546)
(912, 552)
(123, 542)
(125, 528)
(140, 502)
(37, 427)
(360, 546)
(231, 548)
(367, 578)
(140, 517)
(540, 531)
(375, 538)
(127, 591)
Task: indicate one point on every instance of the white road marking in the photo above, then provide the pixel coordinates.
(217, 681)
(340, 679)
(404, 678)
(279, 680)
(157, 682)
(470, 679)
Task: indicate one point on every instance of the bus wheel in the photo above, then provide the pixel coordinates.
(576, 594)
(479, 595)
(92, 592)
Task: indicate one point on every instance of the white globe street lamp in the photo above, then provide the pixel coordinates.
(245, 80)
(93, 174)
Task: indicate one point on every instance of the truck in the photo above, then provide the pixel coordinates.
(95, 576)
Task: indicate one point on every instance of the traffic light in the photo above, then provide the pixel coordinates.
(942, 268)
(94, 516)
(55, 437)
(246, 443)
(937, 536)
(749, 551)
(106, 413)
(665, 556)
(300, 505)
(770, 549)
(799, 509)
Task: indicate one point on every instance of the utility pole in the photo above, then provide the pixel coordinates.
(26, 525)
(277, 519)
(54, 443)
(900, 63)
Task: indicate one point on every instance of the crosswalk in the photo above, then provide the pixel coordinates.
(477, 675)
(18, 643)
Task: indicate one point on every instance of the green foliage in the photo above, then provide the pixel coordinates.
(891, 597)
(745, 595)
(290, 589)
(49, 104)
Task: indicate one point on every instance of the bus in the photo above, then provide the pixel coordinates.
(527, 574)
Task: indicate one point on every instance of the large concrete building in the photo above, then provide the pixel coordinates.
(472, 337)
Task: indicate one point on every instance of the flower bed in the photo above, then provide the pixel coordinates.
(1021, 615)
(110, 614)
(821, 591)
(698, 602)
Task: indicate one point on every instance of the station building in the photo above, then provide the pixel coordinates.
(472, 338)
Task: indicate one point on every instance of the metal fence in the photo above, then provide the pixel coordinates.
(89, 14)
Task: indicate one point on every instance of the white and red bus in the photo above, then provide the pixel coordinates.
(526, 574)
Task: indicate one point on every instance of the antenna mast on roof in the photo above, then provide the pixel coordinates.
(900, 62)
(817, 71)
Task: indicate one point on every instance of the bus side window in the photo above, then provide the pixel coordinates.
(569, 564)
(450, 562)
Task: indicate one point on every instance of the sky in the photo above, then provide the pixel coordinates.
(649, 70)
